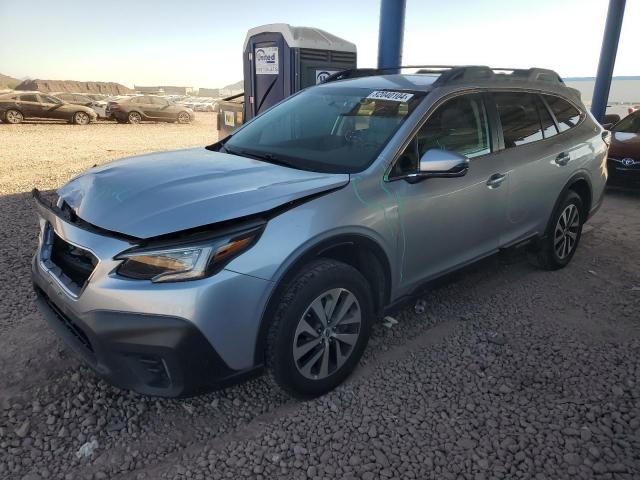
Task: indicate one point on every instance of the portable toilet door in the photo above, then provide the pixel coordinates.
(265, 78)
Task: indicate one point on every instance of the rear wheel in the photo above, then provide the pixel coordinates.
(81, 118)
(13, 116)
(184, 117)
(563, 234)
(320, 329)
(134, 117)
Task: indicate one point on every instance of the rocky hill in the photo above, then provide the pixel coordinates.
(109, 88)
(8, 82)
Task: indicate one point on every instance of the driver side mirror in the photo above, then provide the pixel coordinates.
(437, 163)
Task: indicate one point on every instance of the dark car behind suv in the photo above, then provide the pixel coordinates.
(147, 107)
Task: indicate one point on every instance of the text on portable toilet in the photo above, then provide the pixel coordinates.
(266, 61)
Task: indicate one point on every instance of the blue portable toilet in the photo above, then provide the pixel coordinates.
(280, 59)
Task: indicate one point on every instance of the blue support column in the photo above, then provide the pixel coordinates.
(391, 33)
(607, 58)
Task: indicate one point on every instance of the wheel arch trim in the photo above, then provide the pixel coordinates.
(296, 262)
(576, 178)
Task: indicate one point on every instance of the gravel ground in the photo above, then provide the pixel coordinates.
(508, 372)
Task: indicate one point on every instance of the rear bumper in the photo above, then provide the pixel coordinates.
(149, 354)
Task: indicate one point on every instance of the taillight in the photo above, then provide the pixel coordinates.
(113, 106)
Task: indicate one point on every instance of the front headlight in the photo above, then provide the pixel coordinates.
(184, 263)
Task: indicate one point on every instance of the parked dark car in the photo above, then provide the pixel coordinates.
(624, 153)
(98, 106)
(15, 107)
(147, 107)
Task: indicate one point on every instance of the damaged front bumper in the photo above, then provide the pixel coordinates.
(172, 339)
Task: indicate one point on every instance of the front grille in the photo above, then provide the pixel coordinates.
(69, 324)
(76, 263)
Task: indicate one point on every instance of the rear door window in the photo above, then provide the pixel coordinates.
(29, 98)
(159, 102)
(519, 118)
(49, 99)
(566, 114)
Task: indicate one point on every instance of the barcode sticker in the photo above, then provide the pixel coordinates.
(389, 95)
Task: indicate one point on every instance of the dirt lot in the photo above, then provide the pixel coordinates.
(509, 372)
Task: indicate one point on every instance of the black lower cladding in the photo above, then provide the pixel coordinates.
(149, 354)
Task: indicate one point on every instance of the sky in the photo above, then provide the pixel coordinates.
(199, 43)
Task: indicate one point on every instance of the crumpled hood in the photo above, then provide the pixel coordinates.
(167, 192)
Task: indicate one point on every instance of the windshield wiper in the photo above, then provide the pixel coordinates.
(265, 157)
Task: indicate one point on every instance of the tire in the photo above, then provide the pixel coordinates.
(297, 345)
(81, 118)
(184, 118)
(134, 118)
(13, 116)
(561, 240)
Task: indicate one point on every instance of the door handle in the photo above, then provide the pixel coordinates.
(563, 159)
(496, 180)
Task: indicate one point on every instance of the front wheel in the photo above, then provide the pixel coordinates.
(563, 234)
(184, 117)
(320, 328)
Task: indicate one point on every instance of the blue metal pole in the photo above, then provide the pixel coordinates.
(391, 33)
(615, 13)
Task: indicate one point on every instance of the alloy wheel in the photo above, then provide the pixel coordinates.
(327, 333)
(81, 118)
(135, 117)
(183, 117)
(566, 232)
(13, 116)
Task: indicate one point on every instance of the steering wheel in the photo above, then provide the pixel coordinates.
(354, 136)
(358, 138)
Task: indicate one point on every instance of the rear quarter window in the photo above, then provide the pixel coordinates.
(566, 114)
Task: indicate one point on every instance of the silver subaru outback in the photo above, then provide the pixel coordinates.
(277, 247)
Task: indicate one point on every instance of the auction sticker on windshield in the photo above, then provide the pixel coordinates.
(389, 95)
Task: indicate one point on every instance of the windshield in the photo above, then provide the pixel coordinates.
(326, 129)
(629, 124)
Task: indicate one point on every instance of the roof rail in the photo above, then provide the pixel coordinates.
(369, 72)
(452, 73)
